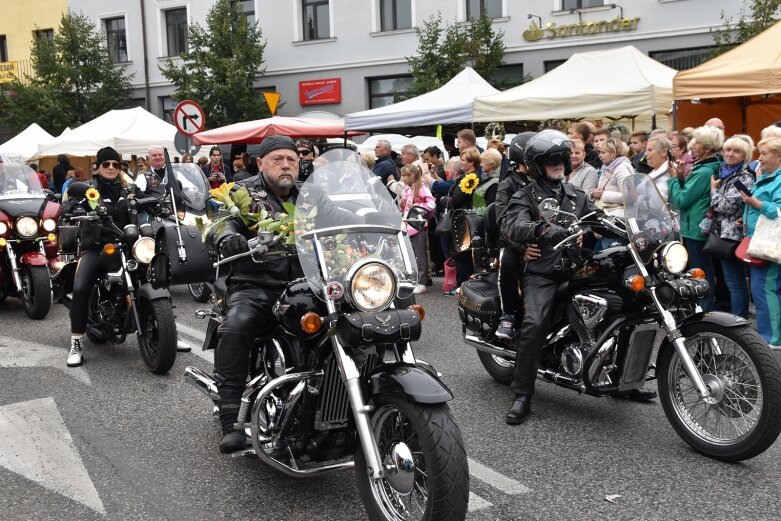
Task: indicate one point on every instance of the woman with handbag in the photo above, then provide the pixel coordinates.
(726, 209)
(765, 201)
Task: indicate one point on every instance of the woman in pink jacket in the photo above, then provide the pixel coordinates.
(416, 193)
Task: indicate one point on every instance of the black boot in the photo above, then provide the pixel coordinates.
(636, 395)
(520, 409)
(232, 440)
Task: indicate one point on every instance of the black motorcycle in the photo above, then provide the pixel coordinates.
(123, 301)
(336, 386)
(718, 381)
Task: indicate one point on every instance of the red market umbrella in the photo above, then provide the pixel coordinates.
(249, 132)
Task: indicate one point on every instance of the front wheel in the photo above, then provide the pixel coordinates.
(500, 368)
(200, 292)
(158, 341)
(426, 475)
(36, 291)
(743, 417)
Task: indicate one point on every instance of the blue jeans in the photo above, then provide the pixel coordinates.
(766, 291)
(699, 259)
(735, 280)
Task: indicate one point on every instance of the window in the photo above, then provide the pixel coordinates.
(116, 39)
(384, 91)
(3, 49)
(395, 15)
(316, 19)
(580, 4)
(506, 76)
(491, 8)
(683, 59)
(552, 64)
(44, 33)
(169, 105)
(247, 7)
(176, 30)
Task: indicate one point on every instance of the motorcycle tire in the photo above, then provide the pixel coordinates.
(36, 291)
(200, 292)
(436, 445)
(96, 332)
(158, 341)
(500, 369)
(747, 381)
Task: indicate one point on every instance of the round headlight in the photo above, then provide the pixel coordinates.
(27, 227)
(372, 287)
(674, 257)
(144, 250)
(49, 225)
(3, 228)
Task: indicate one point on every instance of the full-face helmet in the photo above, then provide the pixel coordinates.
(549, 147)
(518, 147)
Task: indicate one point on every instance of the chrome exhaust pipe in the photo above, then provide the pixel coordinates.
(547, 375)
(485, 347)
(202, 381)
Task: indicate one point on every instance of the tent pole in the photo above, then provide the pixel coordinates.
(653, 121)
(675, 115)
(744, 113)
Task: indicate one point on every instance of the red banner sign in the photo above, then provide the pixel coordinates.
(319, 92)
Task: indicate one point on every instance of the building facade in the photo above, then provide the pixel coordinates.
(343, 56)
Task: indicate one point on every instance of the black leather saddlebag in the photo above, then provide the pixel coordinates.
(166, 269)
(479, 307)
(385, 327)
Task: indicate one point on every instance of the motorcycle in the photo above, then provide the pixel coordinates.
(321, 395)
(28, 238)
(718, 382)
(123, 301)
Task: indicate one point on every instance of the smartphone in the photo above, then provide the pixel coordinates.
(740, 186)
(670, 156)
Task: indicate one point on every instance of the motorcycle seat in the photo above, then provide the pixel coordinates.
(562, 289)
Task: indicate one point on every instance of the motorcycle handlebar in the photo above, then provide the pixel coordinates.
(257, 246)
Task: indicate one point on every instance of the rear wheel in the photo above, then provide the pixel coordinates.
(36, 291)
(742, 416)
(158, 341)
(500, 368)
(200, 292)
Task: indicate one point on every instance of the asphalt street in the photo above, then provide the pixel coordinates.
(111, 441)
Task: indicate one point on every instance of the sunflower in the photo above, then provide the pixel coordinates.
(93, 197)
(469, 183)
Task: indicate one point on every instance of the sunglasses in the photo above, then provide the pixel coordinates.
(111, 164)
(304, 152)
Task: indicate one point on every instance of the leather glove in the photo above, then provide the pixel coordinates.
(555, 234)
(233, 245)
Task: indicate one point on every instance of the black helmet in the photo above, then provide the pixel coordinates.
(551, 147)
(518, 146)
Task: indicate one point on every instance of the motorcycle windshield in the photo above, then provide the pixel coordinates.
(19, 181)
(346, 217)
(195, 189)
(649, 221)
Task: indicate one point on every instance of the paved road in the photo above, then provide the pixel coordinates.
(112, 441)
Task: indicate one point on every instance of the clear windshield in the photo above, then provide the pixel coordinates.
(19, 180)
(195, 188)
(344, 214)
(649, 221)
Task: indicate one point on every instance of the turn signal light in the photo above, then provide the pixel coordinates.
(697, 273)
(110, 249)
(636, 283)
(51, 237)
(311, 322)
(420, 310)
(3, 242)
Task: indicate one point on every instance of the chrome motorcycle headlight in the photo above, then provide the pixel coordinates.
(144, 250)
(27, 227)
(3, 228)
(372, 287)
(49, 225)
(674, 257)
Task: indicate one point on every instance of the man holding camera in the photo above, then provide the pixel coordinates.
(216, 170)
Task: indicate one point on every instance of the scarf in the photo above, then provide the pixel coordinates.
(614, 164)
(725, 170)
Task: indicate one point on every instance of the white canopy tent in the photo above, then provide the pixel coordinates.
(614, 83)
(451, 103)
(24, 145)
(129, 131)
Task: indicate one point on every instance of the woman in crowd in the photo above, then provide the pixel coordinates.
(240, 170)
(77, 174)
(657, 156)
(616, 167)
(766, 280)
(583, 176)
(691, 197)
(491, 164)
(502, 149)
(187, 158)
(681, 155)
(727, 205)
(416, 193)
(432, 156)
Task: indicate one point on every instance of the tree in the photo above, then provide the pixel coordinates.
(762, 14)
(74, 80)
(444, 51)
(219, 68)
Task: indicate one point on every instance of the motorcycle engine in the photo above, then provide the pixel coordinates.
(585, 313)
(571, 359)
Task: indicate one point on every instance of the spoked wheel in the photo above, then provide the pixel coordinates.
(500, 368)
(742, 416)
(425, 469)
(36, 291)
(158, 341)
(200, 292)
(97, 318)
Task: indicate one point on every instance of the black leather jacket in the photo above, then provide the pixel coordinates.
(113, 197)
(508, 187)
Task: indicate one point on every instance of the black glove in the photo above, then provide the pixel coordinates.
(233, 245)
(555, 234)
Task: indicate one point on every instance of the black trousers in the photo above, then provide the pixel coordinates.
(509, 273)
(91, 266)
(249, 317)
(538, 297)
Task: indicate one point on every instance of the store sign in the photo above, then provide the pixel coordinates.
(319, 92)
(9, 71)
(582, 28)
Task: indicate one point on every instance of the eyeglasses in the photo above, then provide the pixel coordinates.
(278, 160)
(304, 152)
(110, 164)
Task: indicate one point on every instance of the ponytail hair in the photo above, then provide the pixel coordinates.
(417, 179)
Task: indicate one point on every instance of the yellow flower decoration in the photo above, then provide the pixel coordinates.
(469, 183)
(93, 197)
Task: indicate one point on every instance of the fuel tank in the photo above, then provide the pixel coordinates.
(605, 268)
(294, 302)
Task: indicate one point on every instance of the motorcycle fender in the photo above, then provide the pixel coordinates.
(409, 382)
(33, 258)
(719, 318)
(147, 292)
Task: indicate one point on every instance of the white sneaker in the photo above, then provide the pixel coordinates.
(75, 357)
(420, 288)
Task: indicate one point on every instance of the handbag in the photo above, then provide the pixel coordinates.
(765, 242)
(445, 222)
(742, 255)
(718, 248)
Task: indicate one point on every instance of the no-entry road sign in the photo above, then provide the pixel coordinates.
(189, 118)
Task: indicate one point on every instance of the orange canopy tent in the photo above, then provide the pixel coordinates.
(742, 87)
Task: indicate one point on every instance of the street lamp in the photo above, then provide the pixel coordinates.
(613, 6)
(530, 16)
